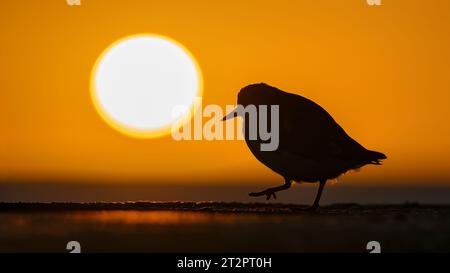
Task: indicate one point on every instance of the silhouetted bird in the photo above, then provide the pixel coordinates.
(312, 146)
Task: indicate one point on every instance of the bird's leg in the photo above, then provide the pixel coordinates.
(271, 191)
(315, 206)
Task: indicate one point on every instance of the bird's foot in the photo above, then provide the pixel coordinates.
(271, 191)
(268, 193)
(312, 208)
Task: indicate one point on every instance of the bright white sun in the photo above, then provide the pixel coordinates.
(138, 82)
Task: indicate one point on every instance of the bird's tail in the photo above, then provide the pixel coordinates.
(375, 157)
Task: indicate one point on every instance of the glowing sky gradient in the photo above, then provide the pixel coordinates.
(382, 72)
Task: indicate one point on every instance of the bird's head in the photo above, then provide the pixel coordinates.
(255, 94)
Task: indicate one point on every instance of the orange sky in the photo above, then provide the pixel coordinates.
(382, 72)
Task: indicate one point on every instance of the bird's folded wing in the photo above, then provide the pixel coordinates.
(307, 130)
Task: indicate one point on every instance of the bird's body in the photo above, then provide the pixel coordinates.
(312, 145)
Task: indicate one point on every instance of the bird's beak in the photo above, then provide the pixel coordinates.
(232, 114)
